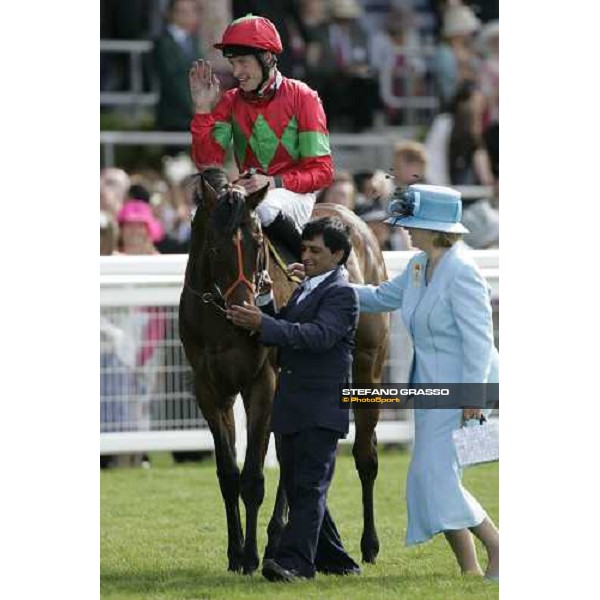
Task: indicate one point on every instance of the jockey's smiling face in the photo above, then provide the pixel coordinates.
(247, 71)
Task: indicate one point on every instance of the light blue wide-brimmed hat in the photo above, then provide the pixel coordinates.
(423, 206)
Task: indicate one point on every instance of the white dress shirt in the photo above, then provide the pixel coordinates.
(307, 286)
(311, 283)
(179, 35)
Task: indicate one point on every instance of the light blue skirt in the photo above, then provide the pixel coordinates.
(436, 499)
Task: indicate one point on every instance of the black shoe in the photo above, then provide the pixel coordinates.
(275, 572)
(283, 230)
(340, 571)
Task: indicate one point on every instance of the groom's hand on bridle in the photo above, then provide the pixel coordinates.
(296, 269)
(248, 316)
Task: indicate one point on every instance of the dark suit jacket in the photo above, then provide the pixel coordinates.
(172, 64)
(327, 63)
(316, 341)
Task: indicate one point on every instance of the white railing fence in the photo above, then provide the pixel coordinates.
(134, 49)
(146, 402)
(365, 150)
(370, 150)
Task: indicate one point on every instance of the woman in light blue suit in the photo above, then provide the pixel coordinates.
(445, 303)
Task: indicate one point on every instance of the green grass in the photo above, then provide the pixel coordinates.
(163, 536)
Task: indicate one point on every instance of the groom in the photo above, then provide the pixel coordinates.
(315, 334)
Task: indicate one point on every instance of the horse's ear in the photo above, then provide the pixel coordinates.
(209, 195)
(254, 199)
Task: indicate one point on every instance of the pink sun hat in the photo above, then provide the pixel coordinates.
(138, 211)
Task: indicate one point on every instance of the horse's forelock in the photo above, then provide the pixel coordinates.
(216, 177)
(229, 212)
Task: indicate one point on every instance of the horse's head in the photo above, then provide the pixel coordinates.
(234, 250)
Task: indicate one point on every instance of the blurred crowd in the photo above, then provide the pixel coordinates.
(148, 212)
(364, 58)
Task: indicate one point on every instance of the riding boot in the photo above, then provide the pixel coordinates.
(284, 230)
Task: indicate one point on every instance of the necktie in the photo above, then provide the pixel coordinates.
(305, 290)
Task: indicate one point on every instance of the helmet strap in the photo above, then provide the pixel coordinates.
(266, 68)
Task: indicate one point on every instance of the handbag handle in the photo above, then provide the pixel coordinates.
(482, 419)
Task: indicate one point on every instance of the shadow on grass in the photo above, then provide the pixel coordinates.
(206, 584)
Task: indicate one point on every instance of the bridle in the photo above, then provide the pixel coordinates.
(218, 299)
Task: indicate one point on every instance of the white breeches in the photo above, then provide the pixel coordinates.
(297, 206)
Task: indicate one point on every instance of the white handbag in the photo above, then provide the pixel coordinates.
(477, 444)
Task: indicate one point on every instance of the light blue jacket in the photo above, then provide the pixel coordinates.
(452, 331)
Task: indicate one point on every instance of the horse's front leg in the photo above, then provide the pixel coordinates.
(258, 400)
(222, 427)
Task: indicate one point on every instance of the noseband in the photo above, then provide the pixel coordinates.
(218, 299)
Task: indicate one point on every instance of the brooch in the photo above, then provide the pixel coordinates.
(417, 274)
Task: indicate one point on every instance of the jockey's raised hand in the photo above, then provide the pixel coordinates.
(205, 88)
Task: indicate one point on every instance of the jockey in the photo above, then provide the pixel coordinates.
(278, 127)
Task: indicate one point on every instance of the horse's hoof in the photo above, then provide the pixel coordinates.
(250, 565)
(369, 558)
(369, 550)
(235, 565)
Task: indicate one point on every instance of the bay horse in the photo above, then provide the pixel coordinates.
(228, 252)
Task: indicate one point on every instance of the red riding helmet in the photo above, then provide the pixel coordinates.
(253, 32)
